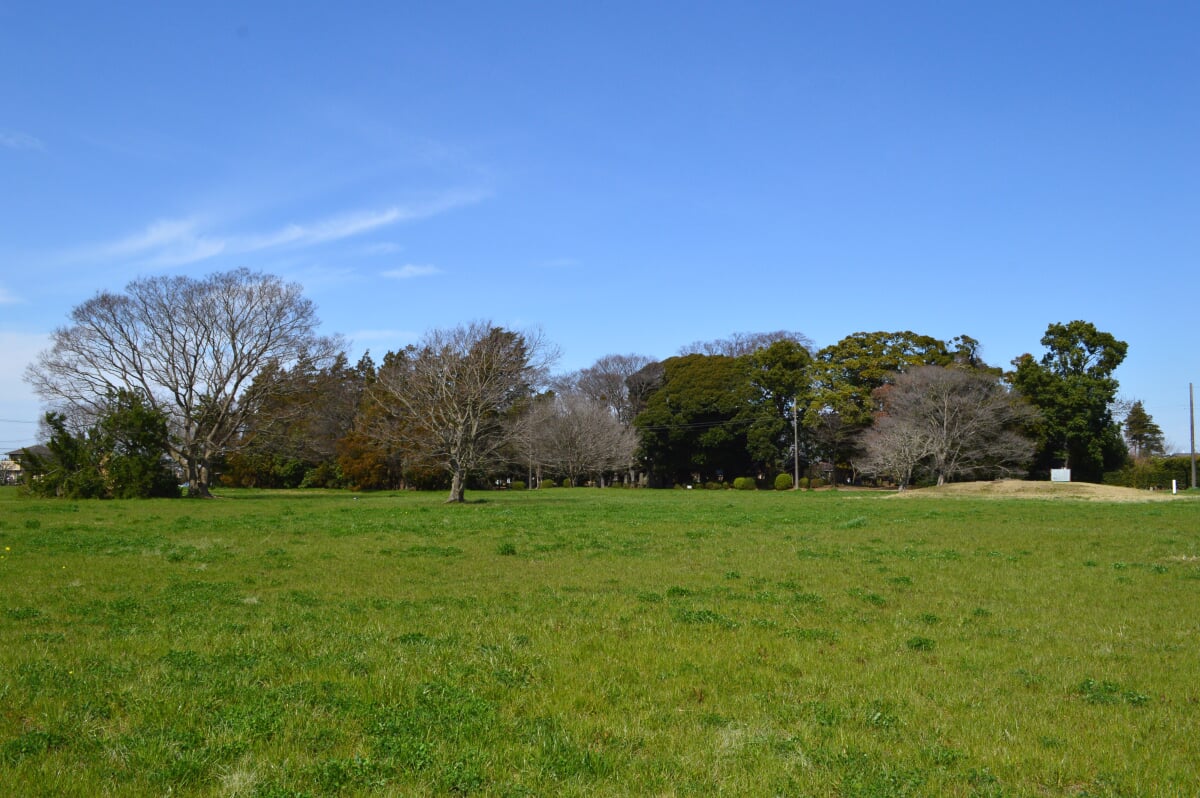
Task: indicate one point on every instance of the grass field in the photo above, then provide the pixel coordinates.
(585, 642)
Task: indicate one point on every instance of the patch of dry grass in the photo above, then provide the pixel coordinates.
(1023, 489)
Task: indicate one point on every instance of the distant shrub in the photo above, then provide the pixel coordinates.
(566, 483)
(547, 483)
(816, 482)
(783, 482)
(744, 483)
(803, 483)
(713, 486)
(517, 484)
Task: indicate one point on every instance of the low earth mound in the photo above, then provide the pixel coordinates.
(1022, 489)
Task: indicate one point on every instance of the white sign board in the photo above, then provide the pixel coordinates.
(1060, 475)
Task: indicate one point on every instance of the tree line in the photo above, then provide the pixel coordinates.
(225, 378)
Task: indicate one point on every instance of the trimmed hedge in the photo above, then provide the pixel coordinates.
(783, 482)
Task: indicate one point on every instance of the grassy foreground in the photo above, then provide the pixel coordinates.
(584, 642)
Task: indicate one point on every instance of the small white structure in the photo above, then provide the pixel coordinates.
(1060, 475)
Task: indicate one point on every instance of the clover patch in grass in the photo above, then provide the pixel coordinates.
(820, 635)
(1109, 693)
(919, 643)
(22, 613)
(871, 598)
(31, 743)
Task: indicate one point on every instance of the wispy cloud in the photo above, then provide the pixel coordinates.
(177, 242)
(382, 248)
(411, 270)
(13, 140)
(6, 298)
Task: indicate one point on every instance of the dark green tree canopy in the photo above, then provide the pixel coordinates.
(1142, 434)
(696, 423)
(124, 456)
(1074, 388)
(846, 373)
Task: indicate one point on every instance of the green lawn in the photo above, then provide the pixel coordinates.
(586, 642)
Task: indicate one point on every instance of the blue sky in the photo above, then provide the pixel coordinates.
(630, 177)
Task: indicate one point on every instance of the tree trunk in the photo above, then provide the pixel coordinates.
(197, 481)
(457, 489)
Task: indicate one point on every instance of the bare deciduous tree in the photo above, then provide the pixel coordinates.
(607, 382)
(584, 437)
(740, 344)
(455, 389)
(950, 421)
(191, 347)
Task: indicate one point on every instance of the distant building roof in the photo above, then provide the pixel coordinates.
(37, 450)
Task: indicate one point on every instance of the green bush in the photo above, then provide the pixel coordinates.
(517, 484)
(566, 483)
(1154, 472)
(547, 483)
(803, 483)
(744, 483)
(713, 486)
(784, 482)
(816, 482)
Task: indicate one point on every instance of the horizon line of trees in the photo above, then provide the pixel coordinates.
(243, 388)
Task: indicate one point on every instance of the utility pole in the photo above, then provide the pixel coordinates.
(796, 446)
(1192, 429)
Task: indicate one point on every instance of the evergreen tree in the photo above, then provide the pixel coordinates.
(1074, 388)
(1142, 434)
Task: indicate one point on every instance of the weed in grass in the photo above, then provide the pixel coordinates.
(881, 714)
(928, 618)
(1107, 693)
(942, 756)
(820, 635)
(705, 617)
(30, 744)
(506, 550)
(808, 599)
(920, 644)
(873, 599)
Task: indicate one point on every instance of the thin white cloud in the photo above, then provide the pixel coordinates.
(6, 298)
(18, 350)
(411, 270)
(176, 242)
(13, 140)
(382, 248)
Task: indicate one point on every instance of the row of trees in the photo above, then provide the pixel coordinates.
(234, 368)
